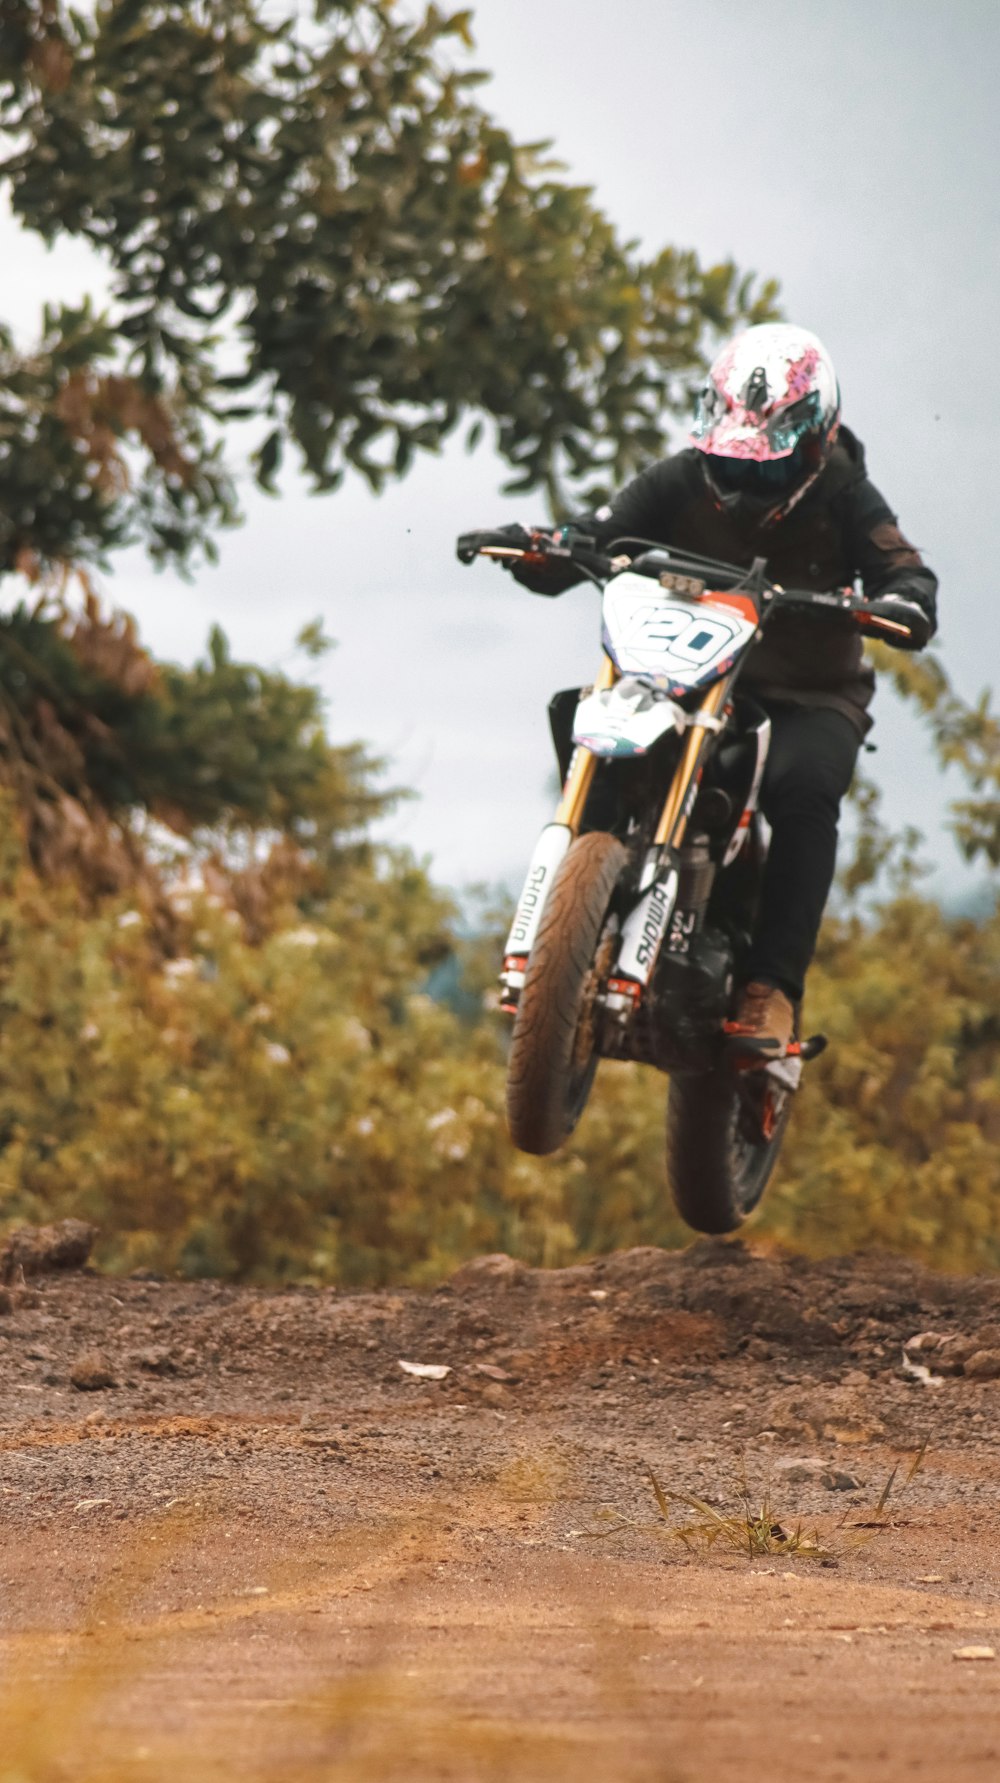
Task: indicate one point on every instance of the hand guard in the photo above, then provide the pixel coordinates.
(902, 609)
(470, 544)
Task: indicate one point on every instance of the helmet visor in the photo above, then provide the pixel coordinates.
(755, 476)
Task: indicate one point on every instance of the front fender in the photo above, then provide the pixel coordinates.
(626, 719)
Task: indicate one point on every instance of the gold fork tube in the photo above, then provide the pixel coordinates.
(583, 765)
(673, 821)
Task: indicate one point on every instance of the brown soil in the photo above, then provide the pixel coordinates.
(268, 1552)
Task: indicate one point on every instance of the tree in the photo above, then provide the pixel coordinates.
(314, 226)
(96, 739)
(965, 735)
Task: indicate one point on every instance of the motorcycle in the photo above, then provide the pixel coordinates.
(639, 902)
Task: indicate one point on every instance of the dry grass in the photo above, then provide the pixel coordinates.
(755, 1526)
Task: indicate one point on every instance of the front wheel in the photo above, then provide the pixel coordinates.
(554, 1047)
(724, 1132)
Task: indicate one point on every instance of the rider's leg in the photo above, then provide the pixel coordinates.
(809, 769)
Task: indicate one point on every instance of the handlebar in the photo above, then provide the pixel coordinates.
(893, 618)
(488, 544)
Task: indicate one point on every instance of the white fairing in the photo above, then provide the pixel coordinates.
(625, 719)
(552, 845)
(652, 631)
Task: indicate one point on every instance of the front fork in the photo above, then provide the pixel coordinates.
(550, 851)
(649, 920)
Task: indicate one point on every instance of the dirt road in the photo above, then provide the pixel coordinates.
(263, 1549)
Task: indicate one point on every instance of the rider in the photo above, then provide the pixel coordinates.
(772, 472)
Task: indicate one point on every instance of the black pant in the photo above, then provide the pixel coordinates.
(809, 769)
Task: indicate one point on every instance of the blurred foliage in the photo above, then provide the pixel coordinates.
(262, 1087)
(290, 1104)
(97, 740)
(94, 456)
(252, 1044)
(966, 737)
(896, 1141)
(310, 223)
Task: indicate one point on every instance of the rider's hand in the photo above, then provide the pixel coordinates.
(517, 537)
(533, 543)
(905, 611)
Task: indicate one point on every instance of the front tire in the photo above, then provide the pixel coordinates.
(724, 1132)
(554, 1047)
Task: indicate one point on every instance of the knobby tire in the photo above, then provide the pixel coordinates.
(716, 1174)
(554, 1052)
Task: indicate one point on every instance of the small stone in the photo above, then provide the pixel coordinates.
(496, 1269)
(34, 1249)
(836, 1480)
(973, 1653)
(155, 1361)
(91, 1372)
(799, 1470)
(493, 1394)
(6, 1302)
(988, 1337)
(493, 1373)
(519, 1361)
(313, 1420)
(984, 1365)
(759, 1350)
(836, 1414)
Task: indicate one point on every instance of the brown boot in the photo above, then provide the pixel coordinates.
(764, 1022)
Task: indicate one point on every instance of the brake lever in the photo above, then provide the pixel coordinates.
(875, 622)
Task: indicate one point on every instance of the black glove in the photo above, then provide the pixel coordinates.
(470, 544)
(905, 609)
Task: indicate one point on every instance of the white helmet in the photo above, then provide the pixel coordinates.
(767, 420)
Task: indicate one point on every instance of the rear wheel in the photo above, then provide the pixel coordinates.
(554, 1047)
(724, 1132)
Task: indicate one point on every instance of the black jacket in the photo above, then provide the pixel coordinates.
(842, 528)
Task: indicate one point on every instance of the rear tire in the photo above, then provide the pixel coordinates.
(554, 1047)
(718, 1160)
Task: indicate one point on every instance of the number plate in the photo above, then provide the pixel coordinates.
(649, 630)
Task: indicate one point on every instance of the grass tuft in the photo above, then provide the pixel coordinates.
(755, 1527)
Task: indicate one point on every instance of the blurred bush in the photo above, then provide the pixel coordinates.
(288, 1105)
(292, 1103)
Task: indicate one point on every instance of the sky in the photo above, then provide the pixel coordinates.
(851, 151)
